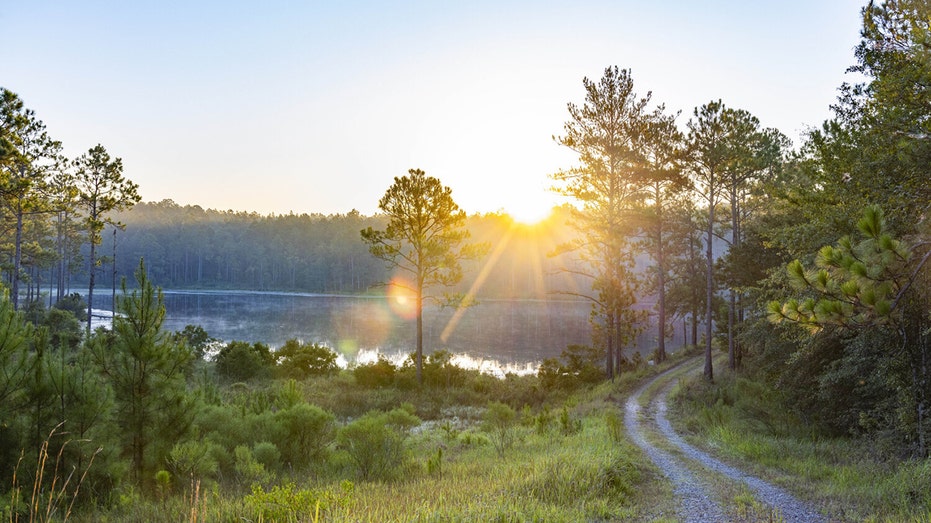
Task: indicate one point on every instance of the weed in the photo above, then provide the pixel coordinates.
(49, 495)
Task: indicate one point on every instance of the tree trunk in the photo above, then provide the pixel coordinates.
(609, 342)
(731, 343)
(90, 284)
(709, 290)
(661, 305)
(618, 351)
(17, 259)
(732, 302)
(420, 333)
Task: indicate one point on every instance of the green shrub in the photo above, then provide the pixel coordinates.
(306, 431)
(578, 365)
(298, 360)
(375, 443)
(162, 484)
(267, 454)
(439, 371)
(500, 422)
(74, 304)
(543, 421)
(248, 470)
(197, 339)
(220, 424)
(195, 459)
(377, 374)
(239, 361)
(289, 503)
(567, 424)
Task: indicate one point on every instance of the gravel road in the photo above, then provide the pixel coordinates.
(696, 504)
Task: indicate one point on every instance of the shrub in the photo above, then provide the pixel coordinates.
(239, 361)
(579, 365)
(500, 424)
(64, 329)
(220, 424)
(74, 304)
(306, 431)
(298, 360)
(567, 424)
(197, 339)
(195, 459)
(375, 442)
(267, 454)
(378, 374)
(288, 503)
(439, 371)
(248, 469)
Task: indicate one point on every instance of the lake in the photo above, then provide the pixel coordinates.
(495, 335)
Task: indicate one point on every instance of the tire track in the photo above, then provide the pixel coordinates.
(786, 505)
(696, 504)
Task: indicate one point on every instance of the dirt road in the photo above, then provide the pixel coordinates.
(691, 470)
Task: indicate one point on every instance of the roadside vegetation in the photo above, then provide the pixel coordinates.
(746, 422)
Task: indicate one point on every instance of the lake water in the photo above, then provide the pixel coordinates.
(494, 335)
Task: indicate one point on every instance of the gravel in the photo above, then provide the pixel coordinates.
(695, 503)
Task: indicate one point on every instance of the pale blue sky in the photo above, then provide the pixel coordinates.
(280, 106)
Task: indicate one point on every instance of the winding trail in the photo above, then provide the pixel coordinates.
(696, 503)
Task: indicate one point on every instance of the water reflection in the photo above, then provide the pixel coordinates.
(495, 336)
(510, 332)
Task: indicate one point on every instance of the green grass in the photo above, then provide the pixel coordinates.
(588, 473)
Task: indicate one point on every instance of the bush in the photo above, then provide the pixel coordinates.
(197, 339)
(579, 365)
(248, 469)
(239, 361)
(267, 454)
(198, 460)
(298, 360)
(375, 442)
(74, 304)
(306, 431)
(288, 503)
(439, 371)
(64, 329)
(374, 375)
(500, 422)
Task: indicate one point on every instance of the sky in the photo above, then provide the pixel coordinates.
(315, 107)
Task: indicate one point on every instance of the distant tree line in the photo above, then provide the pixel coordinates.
(188, 247)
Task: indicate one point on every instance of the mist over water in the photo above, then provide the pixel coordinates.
(494, 336)
(508, 331)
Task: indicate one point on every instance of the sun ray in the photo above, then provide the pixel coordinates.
(477, 284)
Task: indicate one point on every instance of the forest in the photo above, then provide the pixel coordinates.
(803, 269)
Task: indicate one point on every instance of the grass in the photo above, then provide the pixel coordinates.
(544, 477)
(743, 421)
(578, 466)
(53, 490)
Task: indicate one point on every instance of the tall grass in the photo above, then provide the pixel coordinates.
(52, 498)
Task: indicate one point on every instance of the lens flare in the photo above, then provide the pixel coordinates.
(361, 324)
(402, 298)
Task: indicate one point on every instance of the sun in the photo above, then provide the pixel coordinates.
(529, 212)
